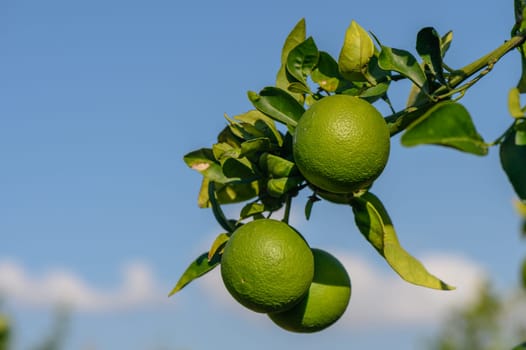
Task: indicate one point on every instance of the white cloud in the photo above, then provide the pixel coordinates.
(380, 298)
(137, 287)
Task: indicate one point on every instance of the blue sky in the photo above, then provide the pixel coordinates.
(101, 100)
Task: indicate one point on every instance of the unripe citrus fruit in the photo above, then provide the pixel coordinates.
(267, 266)
(326, 300)
(341, 144)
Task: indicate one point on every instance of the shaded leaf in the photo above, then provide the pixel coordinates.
(238, 168)
(302, 60)
(278, 105)
(356, 52)
(196, 269)
(216, 209)
(261, 144)
(428, 46)
(447, 124)
(263, 124)
(513, 162)
(403, 62)
(376, 226)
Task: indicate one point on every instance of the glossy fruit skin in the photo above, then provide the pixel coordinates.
(326, 300)
(341, 144)
(267, 266)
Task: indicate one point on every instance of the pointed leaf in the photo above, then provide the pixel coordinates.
(356, 52)
(445, 43)
(376, 226)
(203, 161)
(446, 124)
(232, 192)
(278, 187)
(327, 73)
(217, 245)
(278, 105)
(513, 161)
(295, 37)
(276, 166)
(263, 124)
(403, 62)
(251, 209)
(302, 60)
(197, 268)
(428, 47)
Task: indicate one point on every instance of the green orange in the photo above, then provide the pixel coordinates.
(267, 266)
(341, 144)
(326, 300)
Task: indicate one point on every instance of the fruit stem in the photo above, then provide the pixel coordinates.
(288, 205)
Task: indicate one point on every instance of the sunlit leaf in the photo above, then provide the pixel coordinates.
(217, 245)
(232, 192)
(197, 268)
(446, 124)
(277, 166)
(445, 42)
(278, 105)
(280, 186)
(376, 226)
(295, 37)
(403, 62)
(302, 60)
(327, 73)
(513, 161)
(514, 103)
(203, 161)
(356, 52)
(252, 209)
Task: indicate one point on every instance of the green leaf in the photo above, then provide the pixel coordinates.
(278, 187)
(223, 150)
(520, 346)
(308, 206)
(403, 62)
(218, 245)
(295, 37)
(376, 226)
(261, 144)
(302, 60)
(276, 166)
(252, 209)
(514, 103)
(278, 105)
(445, 43)
(197, 268)
(203, 161)
(238, 168)
(513, 162)
(265, 125)
(428, 47)
(356, 52)
(327, 73)
(447, 124)
(232, 192)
